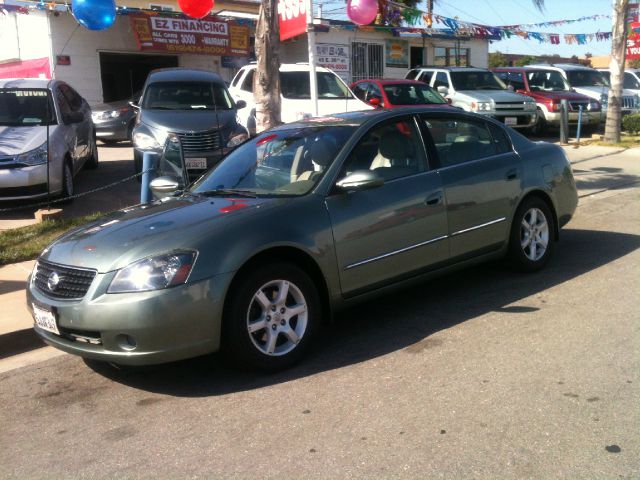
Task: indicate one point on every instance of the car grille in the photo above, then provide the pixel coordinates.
(628, 102)
(200, 141)
(575, 106)
(72, 284)
(509, 106)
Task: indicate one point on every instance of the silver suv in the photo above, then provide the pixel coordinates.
(478, 90)
(594, 84)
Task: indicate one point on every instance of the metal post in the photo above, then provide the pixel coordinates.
(564, 122)
(579, 124)
(311, 41)
(148, 163)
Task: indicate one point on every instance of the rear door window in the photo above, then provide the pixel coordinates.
(441, 80)
(247, 84)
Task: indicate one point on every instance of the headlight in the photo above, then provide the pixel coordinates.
(237, 139)
(37, 156)
(154, 273)
(145, 142)
(480, 106)
(108, 115)
(529, 105)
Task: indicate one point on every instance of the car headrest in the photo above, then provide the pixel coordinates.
(321, 153)
(395, 145)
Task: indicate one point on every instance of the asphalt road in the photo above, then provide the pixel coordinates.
(484, 373)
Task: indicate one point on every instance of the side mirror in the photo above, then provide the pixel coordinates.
(374, 102)
(163, 186)
(134, 104)
(73, 117)
(360, 180)
(510, 88)
(442, 90)
(448, 100)
(240, 104)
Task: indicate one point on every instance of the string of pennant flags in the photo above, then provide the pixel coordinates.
(400, 13)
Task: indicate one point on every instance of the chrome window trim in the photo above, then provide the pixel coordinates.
(492, 222)
(395, 252)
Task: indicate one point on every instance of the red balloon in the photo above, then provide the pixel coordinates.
(196, 8)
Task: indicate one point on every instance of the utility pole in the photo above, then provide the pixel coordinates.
(311, 42)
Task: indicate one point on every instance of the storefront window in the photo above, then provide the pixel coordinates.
(440, 57)
(447, 56)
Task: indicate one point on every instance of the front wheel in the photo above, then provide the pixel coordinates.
(92, 161)
(540, 127)
(272, 317)
(531, 242)
(67, 183)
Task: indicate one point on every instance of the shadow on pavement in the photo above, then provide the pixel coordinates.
(393, 322)
(20, 341)
(8, 286)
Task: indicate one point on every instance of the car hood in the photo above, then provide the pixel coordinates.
(105, 107)
(186, 121)
(496, 95)
(122, 237)
(16, 140)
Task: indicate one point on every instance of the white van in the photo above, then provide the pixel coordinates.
(334, 95)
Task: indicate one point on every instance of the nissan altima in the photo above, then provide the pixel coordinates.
(292, 226)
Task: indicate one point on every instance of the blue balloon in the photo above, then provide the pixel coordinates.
(94, 14)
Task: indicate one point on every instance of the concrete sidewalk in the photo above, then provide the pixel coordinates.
(598, 171)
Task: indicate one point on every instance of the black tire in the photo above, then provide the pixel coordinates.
(92, 161)
(109, 143)
(252, 348)
(68, 187)
(540, 127)
(529, 235)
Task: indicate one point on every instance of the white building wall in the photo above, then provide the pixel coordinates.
(23, 37)
(83, 47)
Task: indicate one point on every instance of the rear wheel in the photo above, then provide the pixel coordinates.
(272, 317)
(92, 161)
(532, 235)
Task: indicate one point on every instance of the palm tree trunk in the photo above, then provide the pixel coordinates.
(266, 80)
(616, 67)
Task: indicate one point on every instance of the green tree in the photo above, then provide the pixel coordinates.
(526, 60)
(497, 59)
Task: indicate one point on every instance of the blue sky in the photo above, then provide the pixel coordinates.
(509, 12)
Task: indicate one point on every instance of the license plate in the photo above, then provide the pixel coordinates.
(45, 319)
(196, 163)
(511, 120)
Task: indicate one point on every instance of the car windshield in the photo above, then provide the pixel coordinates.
(26, 107)
(408, 94)
(630, 80)
(281, 163)
(476, 81)
(186, 96)
(547, 81)
(295, 85)
(587, 78)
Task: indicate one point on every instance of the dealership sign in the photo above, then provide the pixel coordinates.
(633, 42)
(209, 36)
(292, 16)
(334, 57)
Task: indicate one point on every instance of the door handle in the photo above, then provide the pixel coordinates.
(434, 199)
(512, 174)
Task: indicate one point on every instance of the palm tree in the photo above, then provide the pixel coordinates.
(616, 67)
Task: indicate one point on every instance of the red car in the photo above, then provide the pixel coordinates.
(548, 88)
(397, 93)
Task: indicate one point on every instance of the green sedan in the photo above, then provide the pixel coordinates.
(295, 224)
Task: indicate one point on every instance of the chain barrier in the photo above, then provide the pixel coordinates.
(73, 197)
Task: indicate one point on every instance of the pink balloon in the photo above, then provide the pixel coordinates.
(362, 12)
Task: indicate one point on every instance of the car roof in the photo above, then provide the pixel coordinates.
(452, 69)
(184, 74)
(393, 81)
(28, 83)
(293, 67)
(561, 66)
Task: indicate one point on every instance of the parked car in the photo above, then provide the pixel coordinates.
(295, 224)
(478, 90)
(593, 84)
(548, 88)
(333, 94)
(196, 106)
(631, 81)
(396, 93)
(33, 165)
(114, 121)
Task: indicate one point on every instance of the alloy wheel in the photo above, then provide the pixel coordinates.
(534, 234)
(277, 317)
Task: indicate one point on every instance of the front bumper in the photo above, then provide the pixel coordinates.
(112, 130)
(23, 183)
(142, 328)
(522, 120)
(588, 118)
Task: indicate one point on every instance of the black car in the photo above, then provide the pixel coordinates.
(193, 105)
(114, 121)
